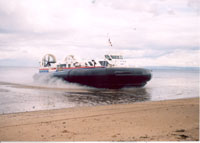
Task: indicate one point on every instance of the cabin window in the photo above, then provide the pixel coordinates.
(76, 64)
(60, 67)
(116, 57)
(90, 63)
(103, 63)
(63, 65)
(69, 65)
(108, 57)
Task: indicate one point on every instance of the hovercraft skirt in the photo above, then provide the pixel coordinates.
(106, 77)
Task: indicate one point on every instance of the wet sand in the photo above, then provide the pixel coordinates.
(173, 120)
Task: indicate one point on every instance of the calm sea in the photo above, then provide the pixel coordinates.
(19, 92)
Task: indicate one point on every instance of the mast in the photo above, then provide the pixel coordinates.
(109, 41)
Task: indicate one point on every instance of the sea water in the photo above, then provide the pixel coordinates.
(21, 92)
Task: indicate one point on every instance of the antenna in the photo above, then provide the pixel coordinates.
(109, 41)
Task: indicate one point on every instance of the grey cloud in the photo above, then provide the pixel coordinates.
(195, 5)
(82, 26)
(19, 62)
(12, 22)
(4, 48)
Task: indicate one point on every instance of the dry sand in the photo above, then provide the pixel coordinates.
(171, 120)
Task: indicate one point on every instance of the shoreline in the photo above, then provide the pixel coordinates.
(167, 120)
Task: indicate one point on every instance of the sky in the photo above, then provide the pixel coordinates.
(145, 32)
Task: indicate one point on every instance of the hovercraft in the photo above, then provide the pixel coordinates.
(110, 72)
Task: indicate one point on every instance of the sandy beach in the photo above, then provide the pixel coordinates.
(172, 120)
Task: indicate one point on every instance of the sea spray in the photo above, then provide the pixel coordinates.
(17, 74)
(28, 76)
(49, 81)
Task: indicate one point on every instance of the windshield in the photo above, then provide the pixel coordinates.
(103, 63)
(108, 57)
(116, 57)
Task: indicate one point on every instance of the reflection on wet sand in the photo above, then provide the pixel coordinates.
(20, 93)
(22, 97)
(106, 96)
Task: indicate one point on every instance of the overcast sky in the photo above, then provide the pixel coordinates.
(146, 32)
